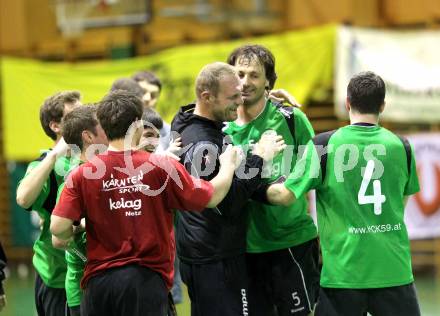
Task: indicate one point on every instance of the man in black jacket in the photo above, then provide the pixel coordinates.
(2, 277)
(211, 244)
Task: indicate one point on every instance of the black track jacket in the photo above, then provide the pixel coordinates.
(220, 232)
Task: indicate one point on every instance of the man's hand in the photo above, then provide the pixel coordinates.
(269, 145)
(173, 150)
(231, 157)
(2, 301)
(281, 95)
(60, 148)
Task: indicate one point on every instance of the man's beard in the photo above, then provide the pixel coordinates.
(254, 100)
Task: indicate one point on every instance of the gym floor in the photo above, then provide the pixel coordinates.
(20, 301)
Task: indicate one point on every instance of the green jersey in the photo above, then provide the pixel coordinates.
(47, 260)
(277, 227)
(76, 259)
(360, 206)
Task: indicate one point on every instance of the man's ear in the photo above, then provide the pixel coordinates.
(205, 96)
(347, 105)
(55, 127)
(266, 85)
(86, 137)
(382, 107)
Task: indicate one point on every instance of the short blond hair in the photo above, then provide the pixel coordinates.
(209, 77)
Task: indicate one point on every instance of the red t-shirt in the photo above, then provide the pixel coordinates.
(126, 198)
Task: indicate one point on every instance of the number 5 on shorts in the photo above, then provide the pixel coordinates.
(296, 299)
(377, 198)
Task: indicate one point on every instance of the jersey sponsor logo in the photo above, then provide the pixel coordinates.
(124, 204)
(129, 182)
(245, 302)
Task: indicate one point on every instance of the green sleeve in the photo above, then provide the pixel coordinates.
(303, 129)
(412, 186)
(306, 175)
(44, 190)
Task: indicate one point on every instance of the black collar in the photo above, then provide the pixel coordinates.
(363, 124)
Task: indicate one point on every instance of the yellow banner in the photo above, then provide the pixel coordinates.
(304, 63)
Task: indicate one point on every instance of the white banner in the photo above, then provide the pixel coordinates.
(422, 214)
(408, 62)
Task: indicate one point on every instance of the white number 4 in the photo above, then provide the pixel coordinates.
(377, 198)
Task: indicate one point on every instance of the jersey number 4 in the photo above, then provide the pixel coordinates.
(377, 198)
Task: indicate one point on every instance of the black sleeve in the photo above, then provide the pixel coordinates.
(2, 266)
(242, 189)
(201, 160)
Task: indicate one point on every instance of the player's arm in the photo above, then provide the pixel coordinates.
(305, 176)
(283, 96)
(60, 243)
(30, 187)
(186, 192)
(278, 194)
(62, 229)
(221, 183)
(67, 211)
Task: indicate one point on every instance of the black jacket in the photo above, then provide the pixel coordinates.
(2, 266)
(220, 232)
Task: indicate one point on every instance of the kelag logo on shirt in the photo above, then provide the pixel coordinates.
(122, 203)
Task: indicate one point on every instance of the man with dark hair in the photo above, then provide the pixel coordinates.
(53, 110)
(128, 84)
(37, 191)
(211, 244)
(282, 246)
(152, 87)
(152, 125)
(362, 179)
(126, 196)
(82, 129)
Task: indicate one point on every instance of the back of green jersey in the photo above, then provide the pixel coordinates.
(360, 207)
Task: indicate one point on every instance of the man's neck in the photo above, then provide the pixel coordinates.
(83, 157)
(119, 145)
(363, 118)
(200, 110)
(247, 113)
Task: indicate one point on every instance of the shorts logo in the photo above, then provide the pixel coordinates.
(245, 302)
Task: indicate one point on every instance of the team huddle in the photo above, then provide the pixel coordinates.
(224, 187)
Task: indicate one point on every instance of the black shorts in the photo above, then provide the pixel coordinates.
(217, 289)
(396, 300)
(50, 301)
(128, 290)
(75, 310)
(284, 282)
